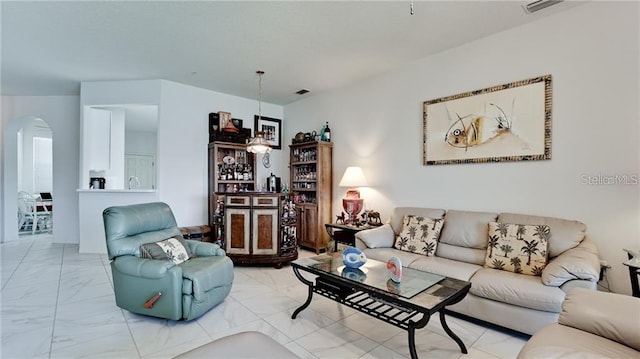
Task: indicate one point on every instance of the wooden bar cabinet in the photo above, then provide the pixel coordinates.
(259, 228)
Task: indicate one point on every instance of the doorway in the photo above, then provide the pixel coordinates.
(28, 169)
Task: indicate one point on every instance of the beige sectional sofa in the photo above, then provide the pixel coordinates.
(592, 325)
(520, 302)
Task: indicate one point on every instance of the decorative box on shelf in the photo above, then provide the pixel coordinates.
(232, 137)
(218, 133)
(199, 233)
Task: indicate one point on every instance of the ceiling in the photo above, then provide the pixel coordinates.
(49, 47)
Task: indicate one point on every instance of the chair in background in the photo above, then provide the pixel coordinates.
(44, 203)
(28, 213)
(161, 287)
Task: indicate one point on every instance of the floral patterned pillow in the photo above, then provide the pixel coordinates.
(517, 248)
(419, 235)
(174, 249)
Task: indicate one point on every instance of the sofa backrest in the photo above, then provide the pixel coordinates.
(465, 235)
(398, 214)
(565, 234)
(128, 227)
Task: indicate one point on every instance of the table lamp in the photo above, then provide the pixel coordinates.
(352, 203)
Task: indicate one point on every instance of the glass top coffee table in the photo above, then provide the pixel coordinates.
(368, 289)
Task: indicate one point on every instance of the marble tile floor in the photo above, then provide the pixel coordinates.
(57, 303)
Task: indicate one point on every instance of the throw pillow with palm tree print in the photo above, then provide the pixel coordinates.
(517, 248)
(419, 235)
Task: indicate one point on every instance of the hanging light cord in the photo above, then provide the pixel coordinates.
(260, 73)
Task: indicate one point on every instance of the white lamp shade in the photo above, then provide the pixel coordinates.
(353, 177)
(258, 144)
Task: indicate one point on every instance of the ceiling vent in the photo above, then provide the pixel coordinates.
(302, 91)
(539, 5)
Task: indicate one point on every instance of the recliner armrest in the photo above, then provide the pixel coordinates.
(143, 267)
(205, 249)
(580, 262)
(610, 315)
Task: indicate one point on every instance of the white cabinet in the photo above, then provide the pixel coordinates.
(98, 137)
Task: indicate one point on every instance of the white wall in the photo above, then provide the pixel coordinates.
(115, 175)
(62, 114)
(182, 146)
(592, 52)
(113, 93)
(181, 159)
(26, 158)
(182, 141)
(140, 142)
(25, 183)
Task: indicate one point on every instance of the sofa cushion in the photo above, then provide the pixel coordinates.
(445, 267)
(466, 229)
(461, 254)
(174, 249)
(517, 248)
(437, 265)
(384, 254)
(464, 236)
(397, 216)
(565, 234)
(382, 236)
(419, 235)
(516, 289)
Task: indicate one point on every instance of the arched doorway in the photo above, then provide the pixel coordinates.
(24, 139)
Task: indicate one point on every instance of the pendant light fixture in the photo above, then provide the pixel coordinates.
(258, 144)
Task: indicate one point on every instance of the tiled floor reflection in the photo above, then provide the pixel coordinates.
(57, 303)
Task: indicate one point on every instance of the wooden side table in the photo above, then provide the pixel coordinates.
(344, 233)
(634, 275)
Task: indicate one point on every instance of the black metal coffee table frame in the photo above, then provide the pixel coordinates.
(380, 304)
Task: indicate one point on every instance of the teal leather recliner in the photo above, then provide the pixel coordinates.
(188, 290)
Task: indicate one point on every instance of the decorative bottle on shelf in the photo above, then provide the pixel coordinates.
(327, 132)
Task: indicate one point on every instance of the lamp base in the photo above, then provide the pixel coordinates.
(352, 206)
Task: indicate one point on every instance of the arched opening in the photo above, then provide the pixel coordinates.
(28, 173)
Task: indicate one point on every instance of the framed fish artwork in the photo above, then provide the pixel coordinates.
(510, 122)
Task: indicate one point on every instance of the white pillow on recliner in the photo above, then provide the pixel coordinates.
(173, 249)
